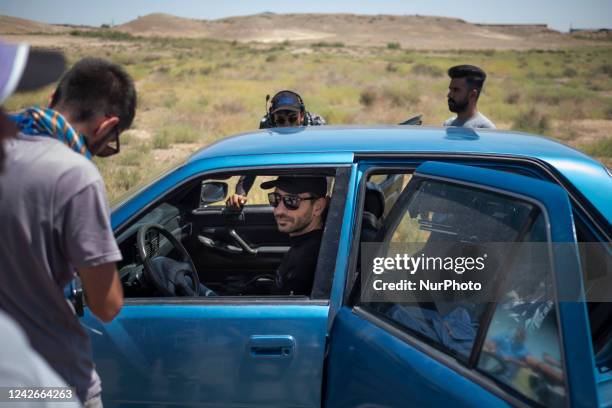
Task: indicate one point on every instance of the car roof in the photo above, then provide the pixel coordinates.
(590, 177)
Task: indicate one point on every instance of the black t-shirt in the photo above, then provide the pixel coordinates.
(295, 275)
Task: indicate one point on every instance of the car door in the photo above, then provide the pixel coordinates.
(222, 351)
(529, 344)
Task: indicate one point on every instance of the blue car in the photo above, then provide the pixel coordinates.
(545, 339)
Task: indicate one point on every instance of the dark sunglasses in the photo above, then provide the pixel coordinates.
(291, 202)
(110, 147)
(281, 120)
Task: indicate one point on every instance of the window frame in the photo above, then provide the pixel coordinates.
(329, 243)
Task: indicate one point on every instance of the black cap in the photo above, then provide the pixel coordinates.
(287, 100)
(317, 186)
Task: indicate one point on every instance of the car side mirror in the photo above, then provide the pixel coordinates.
(212, 191)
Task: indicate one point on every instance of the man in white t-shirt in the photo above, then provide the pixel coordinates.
(463, 93)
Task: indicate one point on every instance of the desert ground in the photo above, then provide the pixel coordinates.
(199, 80)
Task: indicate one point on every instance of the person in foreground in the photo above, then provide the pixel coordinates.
(463, 93)
(24, 69)
(299, 209)
(55, 217)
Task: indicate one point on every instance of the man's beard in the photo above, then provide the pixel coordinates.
(457, 107)
(295, 224)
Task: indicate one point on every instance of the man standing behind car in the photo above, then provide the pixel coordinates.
(287, 109)
(463, 93)
(55, 217)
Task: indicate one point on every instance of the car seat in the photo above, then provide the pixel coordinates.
(373, 210)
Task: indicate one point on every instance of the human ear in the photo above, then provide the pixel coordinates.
(106, 125)
(319, 205)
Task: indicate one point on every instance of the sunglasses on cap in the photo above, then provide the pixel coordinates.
(282, 119)
(291, 202)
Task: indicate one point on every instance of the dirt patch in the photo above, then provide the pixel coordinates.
(176, 152)
(583, 131)
(58, 41)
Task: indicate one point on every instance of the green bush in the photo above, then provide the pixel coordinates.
(324, 44)
(394, 46)
(104, 34)
(161, 140)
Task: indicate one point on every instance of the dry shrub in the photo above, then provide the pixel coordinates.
(401, 96)
(532, 121)
(232, 107)
(427, 70)
(368, 97)
(512, 98)
(391, 67)
(570, 72)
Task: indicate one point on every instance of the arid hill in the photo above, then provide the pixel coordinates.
(414, 32)
(15, 25)
(422, 32)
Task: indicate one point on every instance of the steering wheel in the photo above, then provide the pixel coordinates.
(170, 277)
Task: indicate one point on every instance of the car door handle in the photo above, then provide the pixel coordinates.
(271, 346)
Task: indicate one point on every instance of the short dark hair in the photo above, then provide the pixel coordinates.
(96, 85)
(474, 76)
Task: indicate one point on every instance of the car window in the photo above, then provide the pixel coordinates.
(522, 348)
(440, 220)
(234, 253)
(256, 195)
(461, 221)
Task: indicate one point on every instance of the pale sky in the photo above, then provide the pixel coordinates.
(558, 14)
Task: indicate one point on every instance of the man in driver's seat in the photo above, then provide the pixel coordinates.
(299, 209)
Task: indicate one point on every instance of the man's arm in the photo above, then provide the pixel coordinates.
(103, 290)
(238, 200)
(88, 242)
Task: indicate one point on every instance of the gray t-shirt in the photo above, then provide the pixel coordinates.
(477, 121)
(55, 217)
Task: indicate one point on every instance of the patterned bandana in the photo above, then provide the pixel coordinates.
(47, 122)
